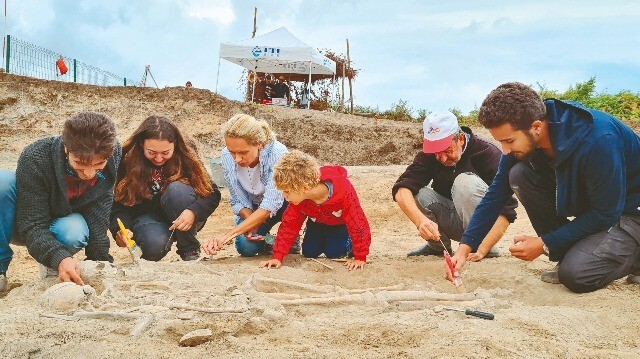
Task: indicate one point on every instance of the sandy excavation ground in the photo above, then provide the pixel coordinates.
(392, 308)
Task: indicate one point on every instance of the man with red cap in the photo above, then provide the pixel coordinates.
(459, 166)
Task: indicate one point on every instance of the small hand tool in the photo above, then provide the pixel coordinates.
(133, 248)
(474, 313)
(167, 247)
(457, 281)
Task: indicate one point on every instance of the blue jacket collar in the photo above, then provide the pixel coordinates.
(569, 121)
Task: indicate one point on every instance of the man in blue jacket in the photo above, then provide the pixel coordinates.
(563, 160)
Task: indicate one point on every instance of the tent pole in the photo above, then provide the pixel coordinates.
(309, 88)
(218, 74)
(253, 84)
(333, 82)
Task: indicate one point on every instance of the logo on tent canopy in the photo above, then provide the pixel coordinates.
(296, 67)
(266, 52)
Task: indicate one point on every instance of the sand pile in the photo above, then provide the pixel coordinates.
(30, 109)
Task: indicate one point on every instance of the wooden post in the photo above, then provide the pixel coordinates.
(255, 15)
(344, 66)
(249, 92)
(350, 85)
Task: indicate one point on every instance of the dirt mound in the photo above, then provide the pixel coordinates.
(32, 108)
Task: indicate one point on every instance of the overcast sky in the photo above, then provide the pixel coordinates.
(433, 54)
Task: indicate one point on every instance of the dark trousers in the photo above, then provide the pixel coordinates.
(151, 230)
(333, 241)
(594, 261)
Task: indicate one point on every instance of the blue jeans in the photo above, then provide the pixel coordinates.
(333, 241)
(72, 231)
(249, 248)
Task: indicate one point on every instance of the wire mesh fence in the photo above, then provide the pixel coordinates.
(26, 59)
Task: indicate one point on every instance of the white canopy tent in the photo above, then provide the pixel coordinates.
(277, 52)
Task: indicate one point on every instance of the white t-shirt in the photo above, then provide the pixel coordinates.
(249, 179)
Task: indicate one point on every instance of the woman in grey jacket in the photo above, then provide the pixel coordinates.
(59, 199)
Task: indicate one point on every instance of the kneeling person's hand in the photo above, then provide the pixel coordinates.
(355, 264)
(428, 230)
(68, 271)
(527, 248)
(121, 241)
(271, 263)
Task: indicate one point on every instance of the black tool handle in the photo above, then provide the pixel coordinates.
(479, 314)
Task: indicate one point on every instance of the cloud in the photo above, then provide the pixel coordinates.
(434, 54)
(29, 16)
(220, 11)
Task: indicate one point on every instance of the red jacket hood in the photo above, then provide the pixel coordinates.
(337, 175)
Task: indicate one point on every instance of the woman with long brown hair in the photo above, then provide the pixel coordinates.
(163, 192)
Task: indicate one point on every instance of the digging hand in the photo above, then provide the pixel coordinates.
(428, 230)
(68, 271)
(458, 260)
(355, 264)
(253, 235)
(477, 256)
(527, 248)
(120, 241)
(184, 222)
(209, 247)
(214, 245)
(271, 263)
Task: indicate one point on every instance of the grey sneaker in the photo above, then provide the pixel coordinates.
(268, 244)
(3, 283)
(426, 250)
(493, 253)
(191, 255)
(46, 272)
(296, 248)
(634, 278)
(551, 276)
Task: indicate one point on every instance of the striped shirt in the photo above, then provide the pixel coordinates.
(238, 197)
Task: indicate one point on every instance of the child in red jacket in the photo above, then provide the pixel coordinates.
(336, 226)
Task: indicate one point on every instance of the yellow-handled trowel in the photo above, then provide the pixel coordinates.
(133, 248)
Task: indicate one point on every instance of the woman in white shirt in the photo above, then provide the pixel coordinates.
(248, 159)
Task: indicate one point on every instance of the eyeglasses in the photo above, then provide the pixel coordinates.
(448, 152)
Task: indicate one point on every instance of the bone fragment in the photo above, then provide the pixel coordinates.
(143, 324)
(106, 315)
(383, 296)
(309, 287)
(319, 262)
(196, 337)
(209, 310)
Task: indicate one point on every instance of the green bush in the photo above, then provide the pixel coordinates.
(624, 105)
(399, 112)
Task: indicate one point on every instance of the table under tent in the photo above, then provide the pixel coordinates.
(278, 53)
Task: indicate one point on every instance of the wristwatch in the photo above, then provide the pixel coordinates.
(544, 248)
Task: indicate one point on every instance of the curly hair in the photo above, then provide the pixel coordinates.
(184, 166)
(254, 131)
(297, 172)
(514, 103)
(89, 134)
